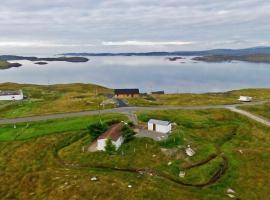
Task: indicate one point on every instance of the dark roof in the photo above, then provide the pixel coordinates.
(114, 132)
(158, 92)
(126, 91)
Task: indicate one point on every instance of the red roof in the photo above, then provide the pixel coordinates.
(114, 132)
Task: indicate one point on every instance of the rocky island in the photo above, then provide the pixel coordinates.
(174, 58)
(7, 65)
(36, 59)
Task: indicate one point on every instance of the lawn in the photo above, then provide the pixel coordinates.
(49, 160)
(25, 131)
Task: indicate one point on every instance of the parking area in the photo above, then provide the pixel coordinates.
(150, 134)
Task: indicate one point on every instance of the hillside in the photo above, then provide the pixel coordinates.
(255, 58)
(227, 52)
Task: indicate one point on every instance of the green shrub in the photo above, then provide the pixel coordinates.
(110, 147)
(127, 133)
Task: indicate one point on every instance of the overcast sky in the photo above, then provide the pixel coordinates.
(56, 26)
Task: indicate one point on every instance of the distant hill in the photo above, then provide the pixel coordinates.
(224, 52)
(255, 58)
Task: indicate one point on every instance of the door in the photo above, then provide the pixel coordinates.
(154, 127)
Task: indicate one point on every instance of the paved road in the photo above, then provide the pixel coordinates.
(128, 111)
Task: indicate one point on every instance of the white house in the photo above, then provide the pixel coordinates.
(245, 99)
(159, 126)
(114, 133)
(11, 95)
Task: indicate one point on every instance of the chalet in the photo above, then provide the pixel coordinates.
(245, 99)
(114, 133)
(11, 95)
(159, 126)
(123, 93)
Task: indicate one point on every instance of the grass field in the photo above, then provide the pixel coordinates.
(51, 99)
(187, 99)
(262, 110)
(47, 161)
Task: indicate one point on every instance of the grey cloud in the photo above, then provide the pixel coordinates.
(76, 22)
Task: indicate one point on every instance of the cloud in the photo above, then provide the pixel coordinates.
(146, 43)
(38, 44)
(155, 24)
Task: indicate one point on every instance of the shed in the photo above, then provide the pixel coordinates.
(114, 133)
(122, 93)
(245, 99)
(11, 95)
(159, 126)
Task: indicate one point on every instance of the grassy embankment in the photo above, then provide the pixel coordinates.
(29, 169)
(53, 99)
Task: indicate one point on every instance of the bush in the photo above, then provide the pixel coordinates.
(96, 129)
(127, 133)
(110, 147)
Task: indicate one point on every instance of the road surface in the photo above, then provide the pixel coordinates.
(130, 110)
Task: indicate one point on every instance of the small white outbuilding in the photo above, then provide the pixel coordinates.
(11, 95)
(159, 126)
(114, 133)
(245, 99)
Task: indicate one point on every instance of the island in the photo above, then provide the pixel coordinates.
(255, 58)
(36, 59)
(41, 63)
(174, 58)
(6, 65)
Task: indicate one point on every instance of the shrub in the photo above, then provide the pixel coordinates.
(127, 133)
(96, 129)
(110, 147)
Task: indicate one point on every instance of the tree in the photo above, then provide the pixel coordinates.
(110, 147)
(127, 133)
(96, 129)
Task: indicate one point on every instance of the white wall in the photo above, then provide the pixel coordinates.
(101, 143)
(160, 128)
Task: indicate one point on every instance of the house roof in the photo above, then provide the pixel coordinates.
(114, 132)
(7, 93)
(126, 91)
(159, 122)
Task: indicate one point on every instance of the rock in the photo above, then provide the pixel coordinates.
(182, 174)
(231, 196)
(41, 63)
(230, 190)
(189, 151)
(94, 178)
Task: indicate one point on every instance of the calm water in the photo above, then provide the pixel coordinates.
(146, 73)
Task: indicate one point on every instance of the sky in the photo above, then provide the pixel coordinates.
(59, 26)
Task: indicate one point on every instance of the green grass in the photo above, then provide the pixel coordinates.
(63, 98)
(262, 110)
(35, 129)
(30, 170)
(53, 99)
